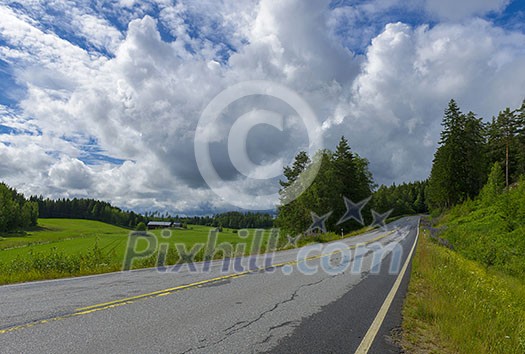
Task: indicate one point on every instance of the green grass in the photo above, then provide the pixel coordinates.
(57, 230)
(493, 235)
(470, 300)
(456, 305)
(69, 247)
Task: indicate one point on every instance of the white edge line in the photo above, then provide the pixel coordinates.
(370, 335)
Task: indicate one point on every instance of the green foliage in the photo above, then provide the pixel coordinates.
(141, 226)
(56, 264)
(15, 211)
(467, 149)
(342, 173)
(494, 187)
(454, 305)
(89, 209)
(234, 220)
(403, 199)
(459, 166)
(505, 145)
(491, 233)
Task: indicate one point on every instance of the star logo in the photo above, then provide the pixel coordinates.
(319, 222)
(380, 219)
(292, 241)
(354, 211)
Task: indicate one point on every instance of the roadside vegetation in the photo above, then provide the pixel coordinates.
(456, 305)
(468, 274)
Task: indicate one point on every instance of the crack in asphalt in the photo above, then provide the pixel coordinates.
(232, 330)
(286, 323)
(238, 326)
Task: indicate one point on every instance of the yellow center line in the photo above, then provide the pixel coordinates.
(129, 300)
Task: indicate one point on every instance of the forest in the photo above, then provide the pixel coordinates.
(17, 213)
(467, 151)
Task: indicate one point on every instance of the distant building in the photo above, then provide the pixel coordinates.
(159, 225)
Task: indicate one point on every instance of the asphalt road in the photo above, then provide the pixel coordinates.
(279, 309)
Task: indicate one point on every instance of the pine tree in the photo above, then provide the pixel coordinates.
(459, 166)
(503, 141)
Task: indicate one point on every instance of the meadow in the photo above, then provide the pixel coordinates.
(70, 247)
(59, 248)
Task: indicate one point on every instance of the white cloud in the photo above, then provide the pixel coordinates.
(98, 31)
(394, 108)
(143, 103)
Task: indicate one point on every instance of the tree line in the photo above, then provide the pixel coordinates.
(89, 209)
(402, 199)
(232, 220)
(467, 150)
(15, 210)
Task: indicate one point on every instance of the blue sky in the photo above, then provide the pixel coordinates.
(102, 99)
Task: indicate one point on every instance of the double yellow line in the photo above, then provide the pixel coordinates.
(129, 300)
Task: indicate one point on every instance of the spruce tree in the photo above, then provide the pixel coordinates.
(459, 166)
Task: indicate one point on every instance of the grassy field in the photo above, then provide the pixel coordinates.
(68, 247)
(72, 236)
(456, 305)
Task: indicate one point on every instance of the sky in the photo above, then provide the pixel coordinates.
(103, 99)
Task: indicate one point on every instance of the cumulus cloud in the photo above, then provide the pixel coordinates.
(393, 109)
(111, 111)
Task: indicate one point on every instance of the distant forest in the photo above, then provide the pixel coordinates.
(17, 212)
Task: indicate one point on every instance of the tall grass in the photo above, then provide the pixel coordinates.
(57, 264)
(455, 305)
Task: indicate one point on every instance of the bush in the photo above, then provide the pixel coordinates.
(141, 226)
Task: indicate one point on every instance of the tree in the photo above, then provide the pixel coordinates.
(503, 142)
(341, 174)
(494, 186)
(15, 211)
(141, 227)
(520, 122)
(459, 165)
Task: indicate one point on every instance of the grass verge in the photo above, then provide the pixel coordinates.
(455, 305)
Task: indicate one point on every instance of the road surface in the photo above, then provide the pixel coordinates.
(351, 302)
